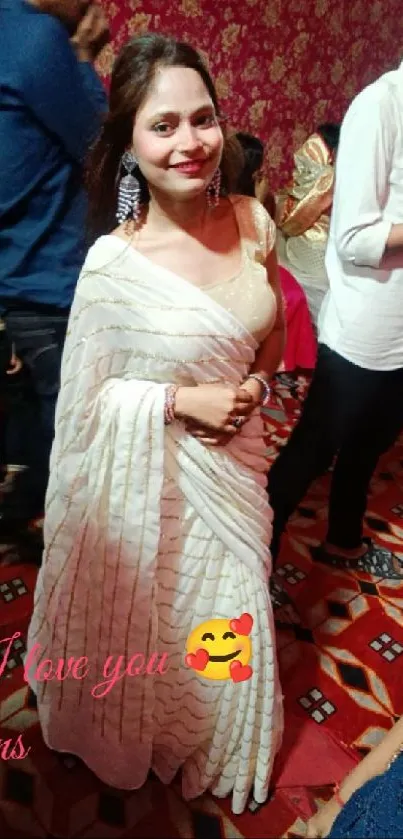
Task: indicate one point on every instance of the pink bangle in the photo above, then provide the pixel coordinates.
(266, 388)
(169, 406)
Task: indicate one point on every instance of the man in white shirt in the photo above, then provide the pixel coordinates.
(354, 408)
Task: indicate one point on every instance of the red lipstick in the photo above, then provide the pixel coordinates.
(190, 167)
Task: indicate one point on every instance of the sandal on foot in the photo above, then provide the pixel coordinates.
(377, 561)
(284, 610)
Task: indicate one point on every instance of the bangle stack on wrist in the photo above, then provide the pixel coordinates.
(265, 386)
(169, 405)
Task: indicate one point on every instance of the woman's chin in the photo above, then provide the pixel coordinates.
(189, 189)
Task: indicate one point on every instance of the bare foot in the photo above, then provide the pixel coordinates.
(322, 822)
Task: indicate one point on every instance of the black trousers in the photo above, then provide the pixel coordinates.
(5, 359)
(17, 410)
(38, 334)
(349, 413)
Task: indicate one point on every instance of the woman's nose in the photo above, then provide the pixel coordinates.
(189, 137)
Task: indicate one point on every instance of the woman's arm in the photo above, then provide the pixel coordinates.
(266, 363)
(271, 351)
(375, 763)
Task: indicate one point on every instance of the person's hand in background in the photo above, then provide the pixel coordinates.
(92, 34)
(15, 365)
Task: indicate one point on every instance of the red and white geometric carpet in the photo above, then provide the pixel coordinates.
(341, 674)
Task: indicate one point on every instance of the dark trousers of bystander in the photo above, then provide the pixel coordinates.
(38, 335)
(351, 414)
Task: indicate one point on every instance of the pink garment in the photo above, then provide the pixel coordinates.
(301, 346)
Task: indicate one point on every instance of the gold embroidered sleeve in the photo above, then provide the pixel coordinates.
(265, 229)
(303, 214)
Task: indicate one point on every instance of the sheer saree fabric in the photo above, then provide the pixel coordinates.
(148, 533)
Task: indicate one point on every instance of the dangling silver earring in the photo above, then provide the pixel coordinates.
(129, 190)
(213, 189)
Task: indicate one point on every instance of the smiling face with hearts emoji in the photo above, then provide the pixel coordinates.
(221, 649)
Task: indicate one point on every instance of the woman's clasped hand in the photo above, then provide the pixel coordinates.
(214, 412)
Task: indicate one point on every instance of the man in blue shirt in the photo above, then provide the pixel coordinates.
(51, 106)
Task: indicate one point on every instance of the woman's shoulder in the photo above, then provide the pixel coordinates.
(102, 264)
(254, 220)
(243, 203)
(250, 207)
(104, 255)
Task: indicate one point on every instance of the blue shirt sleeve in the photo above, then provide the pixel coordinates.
(65, 95)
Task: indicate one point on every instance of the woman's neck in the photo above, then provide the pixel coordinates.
(164, 213)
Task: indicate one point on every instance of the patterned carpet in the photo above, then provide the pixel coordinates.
(340, 672)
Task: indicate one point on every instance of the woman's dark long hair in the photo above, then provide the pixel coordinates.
(253, 152)
(132, 76)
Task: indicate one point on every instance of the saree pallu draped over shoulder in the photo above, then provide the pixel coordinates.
(148, 533)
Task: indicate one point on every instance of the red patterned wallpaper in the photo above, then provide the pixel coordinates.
(281, 66)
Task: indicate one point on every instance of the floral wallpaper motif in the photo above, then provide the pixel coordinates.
(280, 66)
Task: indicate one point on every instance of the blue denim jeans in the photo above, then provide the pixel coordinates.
(38, 335)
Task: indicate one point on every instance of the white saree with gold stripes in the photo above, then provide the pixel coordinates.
(149, 533)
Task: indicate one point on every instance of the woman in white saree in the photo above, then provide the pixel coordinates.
(157, 516)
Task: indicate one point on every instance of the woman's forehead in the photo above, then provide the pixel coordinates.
(176, 89)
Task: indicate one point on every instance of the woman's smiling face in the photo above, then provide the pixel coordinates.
(177, 139)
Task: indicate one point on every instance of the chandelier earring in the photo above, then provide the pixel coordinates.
(214, 189)
(129, 190)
